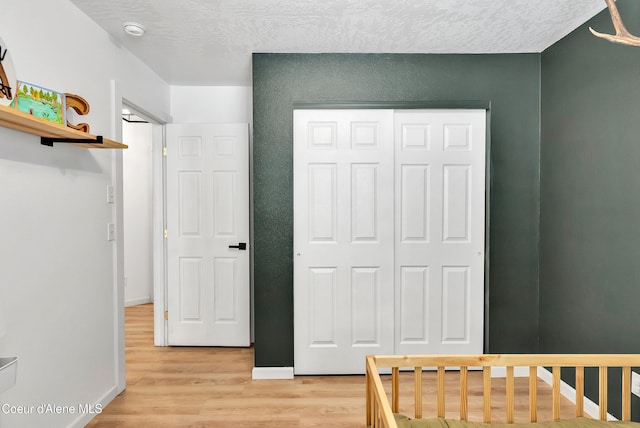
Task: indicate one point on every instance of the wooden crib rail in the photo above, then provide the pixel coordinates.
(380, 411)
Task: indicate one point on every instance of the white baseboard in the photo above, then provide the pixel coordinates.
(95, 409)
(590, 408)
(136, 302)
(272, 373)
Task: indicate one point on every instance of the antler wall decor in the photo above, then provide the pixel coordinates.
(622, 36)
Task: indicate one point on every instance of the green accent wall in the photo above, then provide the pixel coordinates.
(510, 84)
(590, 194)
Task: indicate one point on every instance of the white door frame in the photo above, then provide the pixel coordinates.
(159, 243)
(117, 102)
(161, 304)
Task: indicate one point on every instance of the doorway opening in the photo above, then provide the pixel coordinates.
(137, 167)
(143, 213)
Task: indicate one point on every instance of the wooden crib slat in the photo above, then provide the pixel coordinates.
(441, 392)
(418, 391)
(510, 394)
(375, 415)
(464, 393)
(555, 392)
(486, 389)
(373, 409)
(626, 393)
(533, 394)
(395, 389)
(602, 406)
(369, 400)
(579, 391)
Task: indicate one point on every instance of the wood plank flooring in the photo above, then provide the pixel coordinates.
(212, 387)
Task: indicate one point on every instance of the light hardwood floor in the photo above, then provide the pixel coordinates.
(212, 387)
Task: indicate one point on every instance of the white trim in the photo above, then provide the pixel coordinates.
(260, 373)
(117, 213)
(98, 407)
(159, 243)
(590, 408)
(136, 302)
(251, 228)
(502, 372)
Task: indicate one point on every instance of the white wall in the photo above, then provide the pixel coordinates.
(212, 104)
(138, 214)
(58, 272)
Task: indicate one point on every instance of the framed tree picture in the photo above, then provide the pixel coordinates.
(41, 102)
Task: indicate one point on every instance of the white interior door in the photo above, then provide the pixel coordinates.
(343, 228)
(440, 224)
(207, 216)
(389, 217)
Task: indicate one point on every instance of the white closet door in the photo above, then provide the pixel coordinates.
(389, 218)
(343, 239)
(439, 234)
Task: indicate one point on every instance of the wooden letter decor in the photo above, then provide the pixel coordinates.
(5, 85)
(81, 107)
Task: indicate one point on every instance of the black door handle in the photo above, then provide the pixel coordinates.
(240, 246)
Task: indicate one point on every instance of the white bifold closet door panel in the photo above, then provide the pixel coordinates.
(343, 262)
(439, 231)
(389, 212)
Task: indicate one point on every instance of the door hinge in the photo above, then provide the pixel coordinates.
(164, 152)
(166, 315)
(166, 234)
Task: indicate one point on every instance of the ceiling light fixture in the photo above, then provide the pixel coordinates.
(133, 29)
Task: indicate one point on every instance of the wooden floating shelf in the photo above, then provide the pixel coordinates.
(19, 121)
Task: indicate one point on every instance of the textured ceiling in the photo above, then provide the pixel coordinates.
(209, 42)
